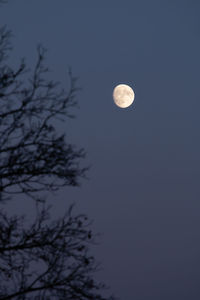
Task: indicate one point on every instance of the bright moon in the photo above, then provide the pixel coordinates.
(123, 95)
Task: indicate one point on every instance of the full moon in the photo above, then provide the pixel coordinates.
(123, 95)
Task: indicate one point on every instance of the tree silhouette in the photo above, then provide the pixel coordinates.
(44, 258)
(47, 260)
(33, 156)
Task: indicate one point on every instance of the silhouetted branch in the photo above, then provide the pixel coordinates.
(44, 259)
(33, 156)
(48, 257)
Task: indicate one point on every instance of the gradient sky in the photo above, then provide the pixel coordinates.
(143, 188)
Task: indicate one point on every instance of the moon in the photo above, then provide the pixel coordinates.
(123, 95)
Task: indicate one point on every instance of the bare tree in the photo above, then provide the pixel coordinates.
(33, 156)
(48, 260)
(43, 259)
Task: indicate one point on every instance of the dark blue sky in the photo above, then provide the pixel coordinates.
(143, 191)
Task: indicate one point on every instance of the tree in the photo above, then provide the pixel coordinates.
(33, 156)
(48, 260)
(45, 259)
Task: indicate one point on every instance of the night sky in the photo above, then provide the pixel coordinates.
(143, 186)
